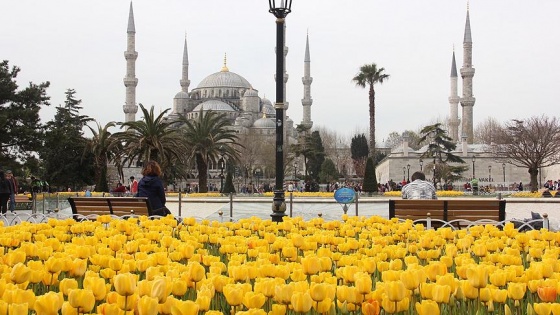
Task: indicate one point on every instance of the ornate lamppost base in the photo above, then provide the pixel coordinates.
(278, 206)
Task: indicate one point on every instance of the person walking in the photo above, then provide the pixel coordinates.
(14, 187)
(133, 186)
(5, 192)
(151, 186)
(419, 188)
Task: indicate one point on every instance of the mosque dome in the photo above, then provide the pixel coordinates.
(268, 110)
(214, 105)
(251, 93)
(266, 101)
(264, 123)
(224, 78)
(182, 95)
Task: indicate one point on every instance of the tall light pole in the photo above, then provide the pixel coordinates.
(408, 173)
(489, 173)
(404, 174)
(421, 163)
(504, 172)
(280, 9)
(473, 159)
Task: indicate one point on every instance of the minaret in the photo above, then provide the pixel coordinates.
(467, 73)
(185, 82)
(454, 102)
(307, 101)
(130, 81)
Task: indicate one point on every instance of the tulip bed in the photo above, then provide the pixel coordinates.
(356, 265)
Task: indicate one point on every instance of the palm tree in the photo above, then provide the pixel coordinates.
(153, 138)
(101, 146)
(207, 137)
(370, 75)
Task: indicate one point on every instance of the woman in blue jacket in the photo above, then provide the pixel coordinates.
(151, 186)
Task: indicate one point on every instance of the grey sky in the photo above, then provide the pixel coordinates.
(80, 45)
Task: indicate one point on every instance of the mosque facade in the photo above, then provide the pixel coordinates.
(224, 92)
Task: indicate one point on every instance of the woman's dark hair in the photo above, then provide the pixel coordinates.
(418, 175)
(152, 168)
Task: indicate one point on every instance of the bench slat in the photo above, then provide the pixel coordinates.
(119, 206)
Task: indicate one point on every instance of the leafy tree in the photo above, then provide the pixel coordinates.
(152, 138)
(228, 186)
(370, 75)
(22, 131)
(63, 153)
(370, 181)
(101, 146)
(359, 152)
(440, 150)
(328, 172)
(206, 138)
(395, 139)
(532, 143)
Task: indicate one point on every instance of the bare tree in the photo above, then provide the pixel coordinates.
(486, 131)
(532, 143)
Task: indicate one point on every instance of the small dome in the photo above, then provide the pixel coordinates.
(250, 93)
(224, 79)
(182, 95)
(213, 105)
(268, 110)
(264, 123)
(266, 101)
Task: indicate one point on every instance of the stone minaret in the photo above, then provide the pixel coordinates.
(185, 82)
(130, 81)
(454, 103)
(307, 80)
(467, 73)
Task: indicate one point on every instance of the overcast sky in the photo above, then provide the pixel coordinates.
(80, 44)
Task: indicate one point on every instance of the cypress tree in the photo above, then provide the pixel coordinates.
(370, 181)
(228, 186)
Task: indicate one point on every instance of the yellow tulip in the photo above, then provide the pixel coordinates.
(147, 305)
(67, 284)
(427, 307)
(499, 296)
(395, 291)
(253, 300)
(107, 308)
(82, 300)
(516, 290)
(301, 302)
(49, 303)
(468, 290)
(20, 273)
(125, 284)
(197, 272)
(159, 289)
(97, 286)
(203, 302)
(184, 308)
(128, 302)
(318, 291)
(18, 309)
(542, 308)
(555, 307)
(395, 307)
(311, 265)
(485, 294)
(234, 294)
(441, 293)
(411, 278)
(477, 276)
(178, 287)
(54, 265)
(498, 278)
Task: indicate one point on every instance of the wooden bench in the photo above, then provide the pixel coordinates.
(117, 206)
(460, 212)
(23, 202)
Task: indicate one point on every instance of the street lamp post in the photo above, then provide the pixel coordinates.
(473, 159)
(221, 165)
(295, 171)
(504, 172)
(280, 9)
(489, 173)
(404, 173)
(421, 163)
(434, 172)
(408, 173)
